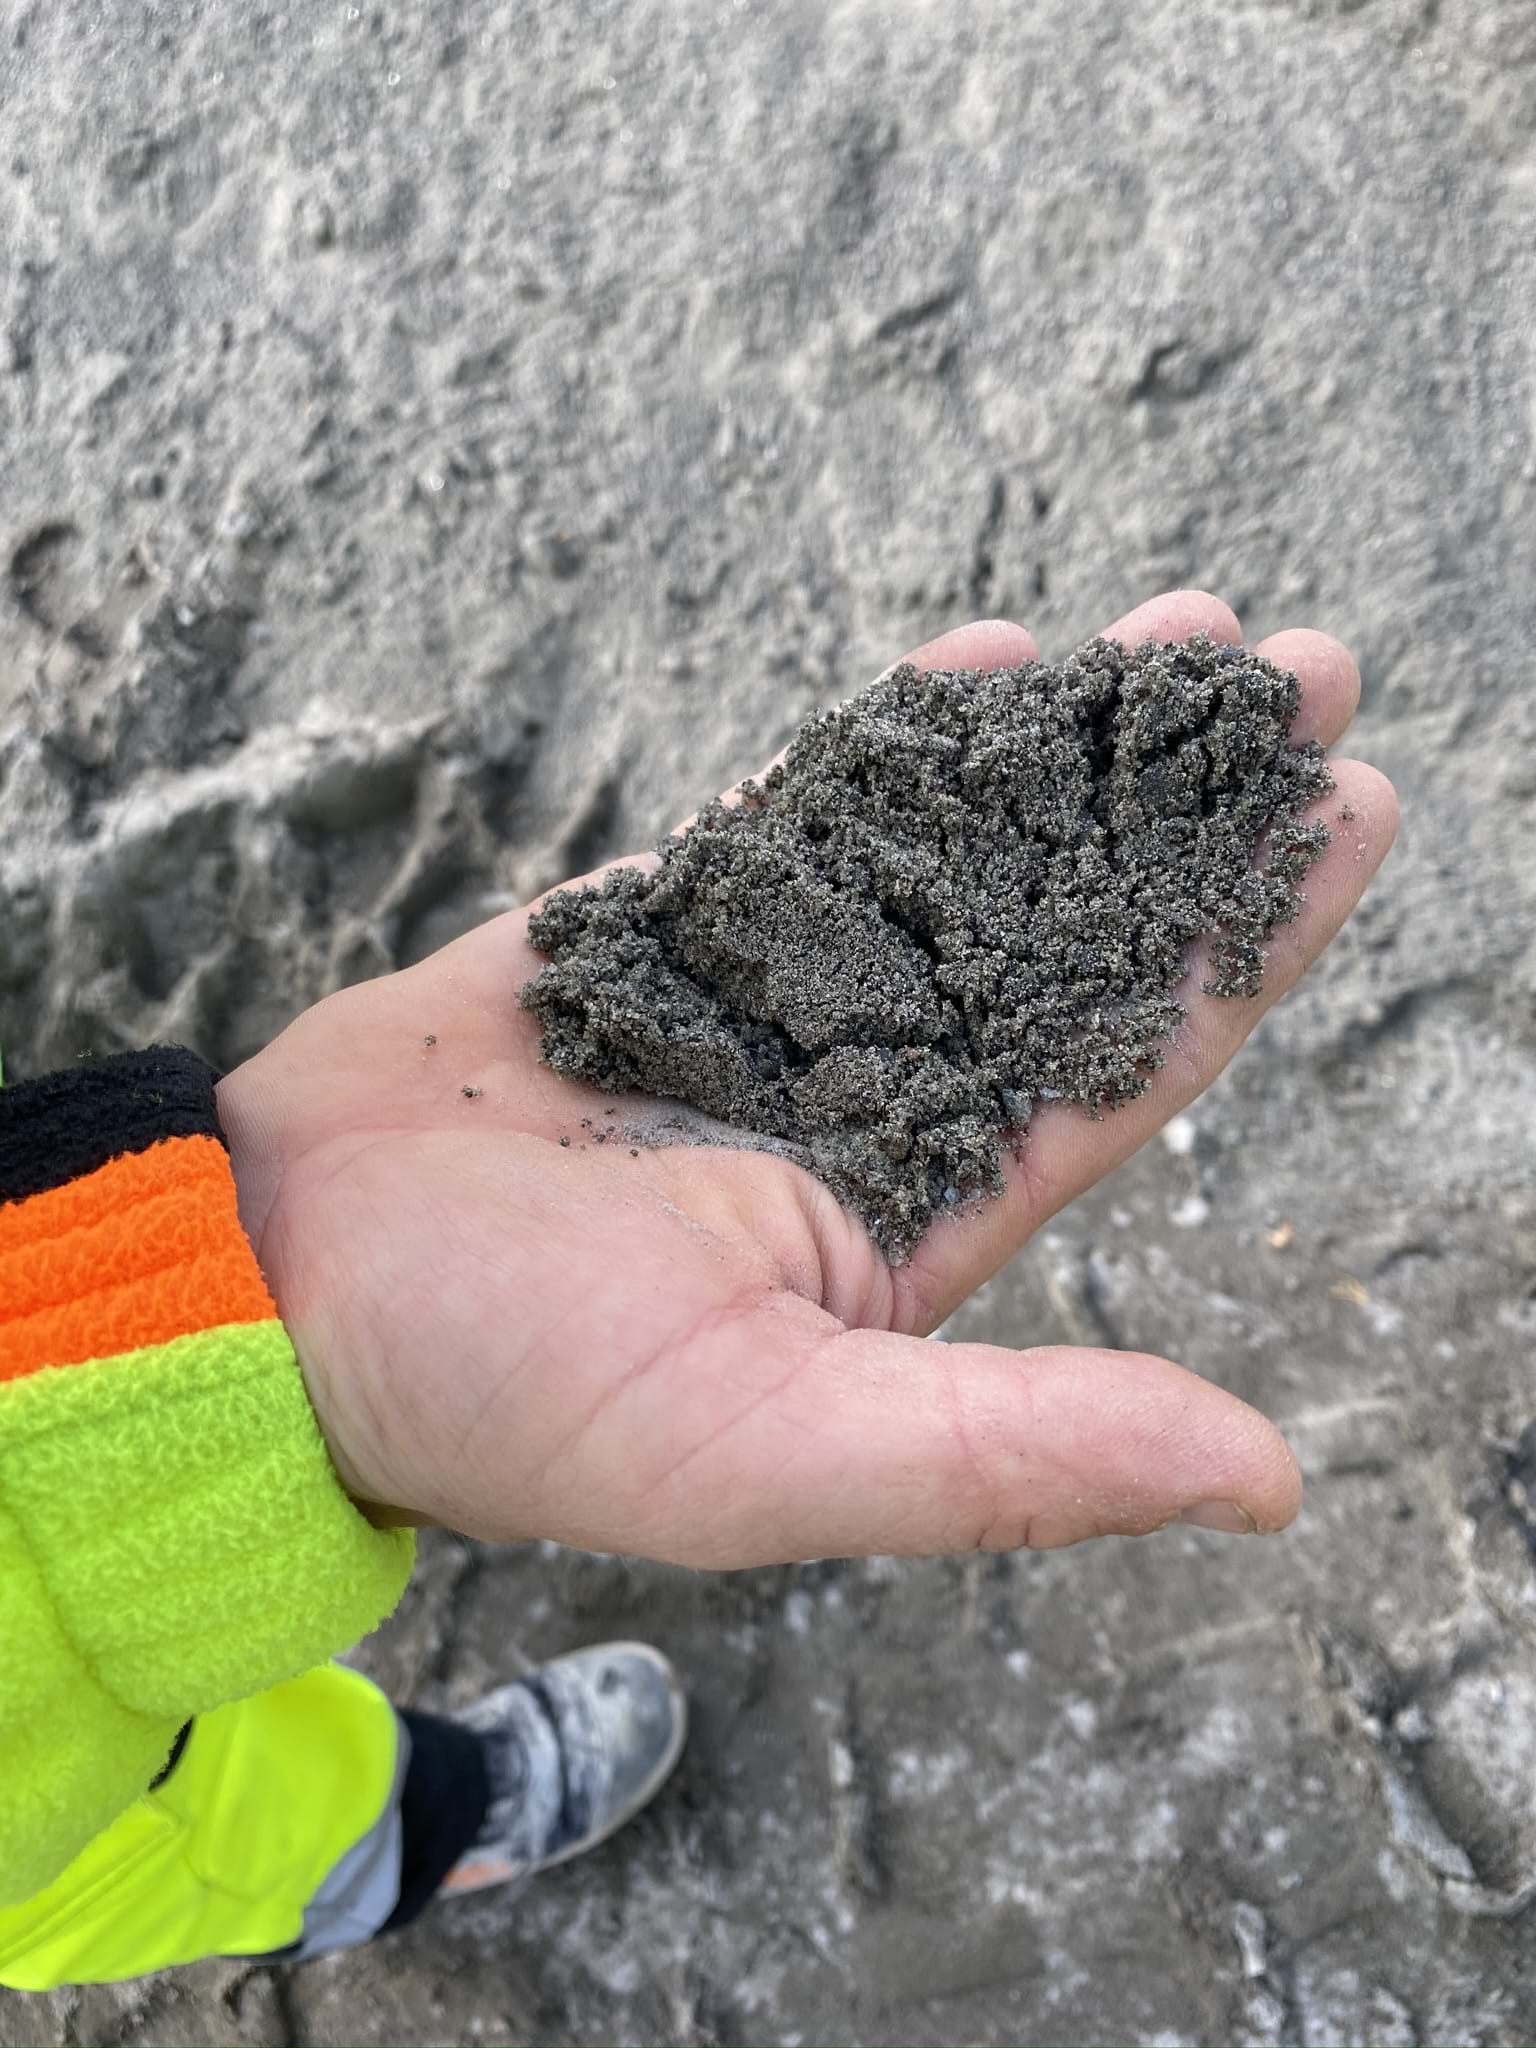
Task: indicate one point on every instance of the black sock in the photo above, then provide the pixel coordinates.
(442, 1804)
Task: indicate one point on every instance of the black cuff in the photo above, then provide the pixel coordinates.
(63, 1125)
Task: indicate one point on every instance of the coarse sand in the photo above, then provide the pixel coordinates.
(961, 895)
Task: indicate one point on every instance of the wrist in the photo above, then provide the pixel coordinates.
(251, 1132)
(250, 1115)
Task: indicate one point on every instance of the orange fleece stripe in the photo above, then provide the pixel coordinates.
(147, 1248)
(132, 1218)
(134, 1177)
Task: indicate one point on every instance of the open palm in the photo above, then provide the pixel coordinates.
(693, 1353)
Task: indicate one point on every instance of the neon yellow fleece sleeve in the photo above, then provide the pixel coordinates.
(172, 1533)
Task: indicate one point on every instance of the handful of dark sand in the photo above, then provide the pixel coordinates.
(963, 894)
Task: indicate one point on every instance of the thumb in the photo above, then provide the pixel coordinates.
(866, 1442)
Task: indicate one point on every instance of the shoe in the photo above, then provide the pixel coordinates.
(573, 1751)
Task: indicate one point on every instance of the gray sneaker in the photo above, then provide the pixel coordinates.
(574, 1750)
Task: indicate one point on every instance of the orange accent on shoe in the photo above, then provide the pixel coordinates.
(476, 1876)
(146, 1248)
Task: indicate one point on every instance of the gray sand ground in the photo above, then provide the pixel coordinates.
(438, 446)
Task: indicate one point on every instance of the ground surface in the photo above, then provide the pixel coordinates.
(438, 444)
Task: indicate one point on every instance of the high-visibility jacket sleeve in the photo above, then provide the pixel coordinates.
(173, 1535)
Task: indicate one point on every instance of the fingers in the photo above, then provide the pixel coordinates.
(866, 1443)
(986, 643)
(1329, 677)
(1362, 819)
(1175, 616)
(1065, 1151)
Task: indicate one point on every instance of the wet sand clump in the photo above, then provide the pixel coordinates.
(961, 895)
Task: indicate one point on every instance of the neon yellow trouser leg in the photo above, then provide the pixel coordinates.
(267, 1797)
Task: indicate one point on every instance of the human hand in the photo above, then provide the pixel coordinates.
(694, 1353)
